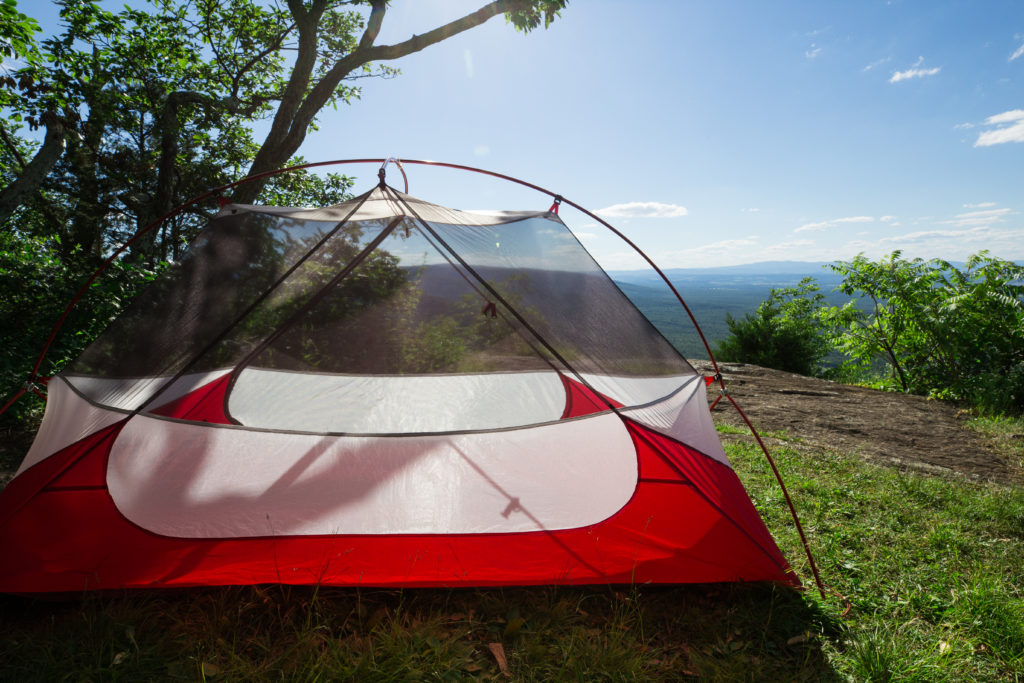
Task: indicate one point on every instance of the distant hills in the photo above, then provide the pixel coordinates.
(712, 293)
(771, 273)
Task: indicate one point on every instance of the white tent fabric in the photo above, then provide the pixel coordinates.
(207, 481)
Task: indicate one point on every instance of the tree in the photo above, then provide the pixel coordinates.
(144, 108)
(896, 292)
(137, 120)
(940, 330)
(783, 333)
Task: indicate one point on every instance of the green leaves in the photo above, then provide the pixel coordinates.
(932, 328)
(17, 34)
(940, 330)
(784, 333)
(529, 15)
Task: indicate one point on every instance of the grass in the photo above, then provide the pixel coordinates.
(930, 567)
(1005, 434)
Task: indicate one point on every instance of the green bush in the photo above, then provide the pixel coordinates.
(37, 286)
(939, 330)
(784, 333)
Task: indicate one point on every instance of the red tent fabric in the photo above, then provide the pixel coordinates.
(383, 392)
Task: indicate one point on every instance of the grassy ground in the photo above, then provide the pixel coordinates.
(931, 568)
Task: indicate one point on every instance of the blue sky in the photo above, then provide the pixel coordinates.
(719, 133)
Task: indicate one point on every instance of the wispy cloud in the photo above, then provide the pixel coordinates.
(723, 246)
(481, 150)
(949, 243)
(643, 210)
(983, 233)
(979, 205)
(887, 219)
(877, 63)
(1009, 128)
(812, 52)
(792, 244)
(975, 218)
(914, 71)
(825, 225)
(1018, 52)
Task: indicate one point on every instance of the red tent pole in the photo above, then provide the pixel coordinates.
(266, 174)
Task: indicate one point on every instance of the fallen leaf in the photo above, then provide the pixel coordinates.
(498, 650)
(795, 640)
(119, 657)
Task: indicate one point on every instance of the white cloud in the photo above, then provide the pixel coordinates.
(481, 150)
(979, 205)
(979, 234)
(1006, 117)
(877, 63)
(824, 225)
(975, 218)
(792, 244)
(643, 210)
(723, 245)
(1010, 128)
(1017, 53)
(751, 210)
(950, 243)
(887, 219)
(963, 126)
(812, 52)
(915, 72)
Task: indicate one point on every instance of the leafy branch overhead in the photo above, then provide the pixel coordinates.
(145, 107)
(123, 114)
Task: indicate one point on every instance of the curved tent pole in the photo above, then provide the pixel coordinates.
(217, 191)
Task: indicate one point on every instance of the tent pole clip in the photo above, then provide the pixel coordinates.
(36, 385)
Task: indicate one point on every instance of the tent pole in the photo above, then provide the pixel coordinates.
(266, 174)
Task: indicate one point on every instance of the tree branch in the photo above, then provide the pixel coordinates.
(33, 173)
(322, 91)
(452, 28)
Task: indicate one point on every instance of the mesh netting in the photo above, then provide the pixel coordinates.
(386, 285)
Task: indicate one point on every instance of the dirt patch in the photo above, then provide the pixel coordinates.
(882, 426)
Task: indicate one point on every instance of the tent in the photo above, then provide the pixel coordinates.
(384, 392)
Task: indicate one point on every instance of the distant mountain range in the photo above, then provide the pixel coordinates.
(765, 273)
(712, 293)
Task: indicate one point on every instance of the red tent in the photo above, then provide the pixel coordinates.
(384, 392)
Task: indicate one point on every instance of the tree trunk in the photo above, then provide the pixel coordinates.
(34, 172)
